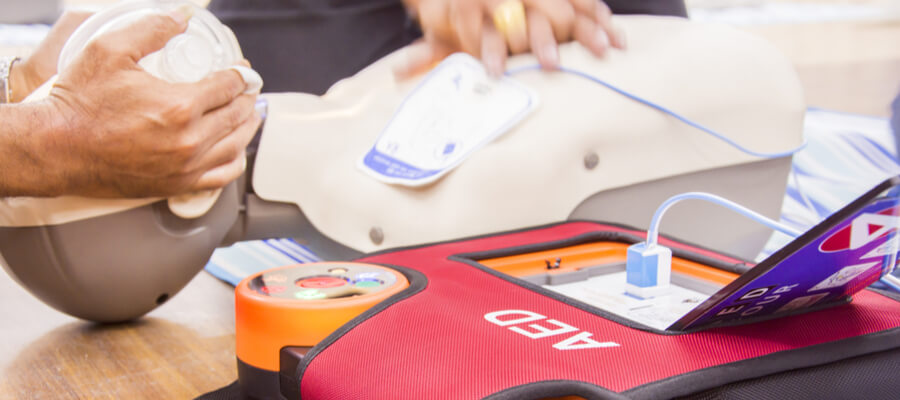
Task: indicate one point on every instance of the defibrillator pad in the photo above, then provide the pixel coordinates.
(453, 111)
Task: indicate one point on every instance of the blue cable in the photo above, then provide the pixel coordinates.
(891, 281)
(653, 232)
(888, 280)
(651, 104)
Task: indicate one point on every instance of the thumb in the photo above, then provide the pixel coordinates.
(421, 56)
(150, 33)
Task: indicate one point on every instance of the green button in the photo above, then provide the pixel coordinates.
(368, 284)
(310, 294)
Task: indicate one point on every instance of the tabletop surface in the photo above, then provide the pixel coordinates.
(186, 347)
(181, 350)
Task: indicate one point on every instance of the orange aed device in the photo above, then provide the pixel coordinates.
(299, 305)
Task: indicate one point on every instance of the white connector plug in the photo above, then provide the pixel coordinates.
(648, 270)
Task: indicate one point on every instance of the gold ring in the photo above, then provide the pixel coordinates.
(509, 18)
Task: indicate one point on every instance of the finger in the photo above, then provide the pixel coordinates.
(418, 56)
(588, 7)
(493, 51)
(225, 150)
(543, 43)
(223, 173)
(433, 18)
(63, 28)
(603, 17)
(590, 36)
(215, 90)
(560, 13)
(68, 22)
(421, 56)
(221, 122)
(253, 82)
(510, 21)
(147, 34)
(467, 19)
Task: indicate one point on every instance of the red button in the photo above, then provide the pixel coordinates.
(321, 282)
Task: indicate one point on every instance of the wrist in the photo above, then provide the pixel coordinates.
(57, 138)
(22, 81)
(6, 64)
(28, 145)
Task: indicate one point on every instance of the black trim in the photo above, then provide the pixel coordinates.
(256, 383)
(417, 283)
(803, 357)
(556, 388)
(230, 392)
(289, 359)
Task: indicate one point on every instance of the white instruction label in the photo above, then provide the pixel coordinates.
(456, 109)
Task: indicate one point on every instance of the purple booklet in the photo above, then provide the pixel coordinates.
(825, 266)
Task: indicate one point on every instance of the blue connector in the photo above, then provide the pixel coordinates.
(648, 270)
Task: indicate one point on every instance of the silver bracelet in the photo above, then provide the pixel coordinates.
(6, 63)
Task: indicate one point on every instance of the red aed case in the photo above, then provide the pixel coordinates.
(485, 317)
(465, 328)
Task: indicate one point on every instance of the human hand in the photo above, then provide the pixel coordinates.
(30, 73)
(124, 133)
(469, 26)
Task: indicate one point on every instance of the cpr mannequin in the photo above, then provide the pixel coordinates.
(536, 173)
(586, 152)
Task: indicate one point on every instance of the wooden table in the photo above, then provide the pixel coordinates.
(186, 347)
(179, 351)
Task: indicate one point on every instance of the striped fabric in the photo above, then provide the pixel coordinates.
(231, 264)
(846, 155)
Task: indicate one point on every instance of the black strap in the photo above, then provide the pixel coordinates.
(230, 392)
